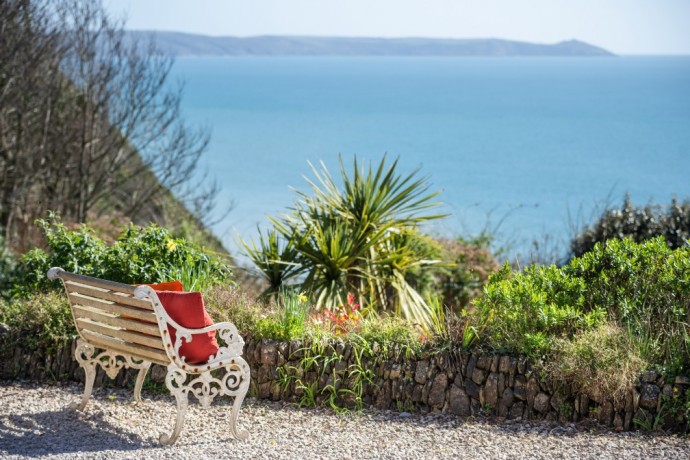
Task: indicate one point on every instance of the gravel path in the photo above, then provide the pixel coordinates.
(34, 423)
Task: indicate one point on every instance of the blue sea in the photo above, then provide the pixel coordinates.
(526, 148)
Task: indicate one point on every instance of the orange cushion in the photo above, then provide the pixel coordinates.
(166, 286)
(187, 309)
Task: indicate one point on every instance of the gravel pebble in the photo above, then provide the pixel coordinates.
(35, 423)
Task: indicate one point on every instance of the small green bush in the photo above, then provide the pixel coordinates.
(285, 317)
(637, 223)
(282, 319)
(140, 255)
(525, 311)
(388, 332)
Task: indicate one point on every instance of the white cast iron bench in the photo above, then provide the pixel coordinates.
(130, 326)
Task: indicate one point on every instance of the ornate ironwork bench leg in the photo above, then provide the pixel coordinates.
(175, 381)
(84, 356)
(205, 388)
(237, 376)
(141, 375)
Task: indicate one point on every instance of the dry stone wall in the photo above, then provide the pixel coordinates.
(453, 382)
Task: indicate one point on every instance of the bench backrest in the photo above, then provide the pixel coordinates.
(108, 314)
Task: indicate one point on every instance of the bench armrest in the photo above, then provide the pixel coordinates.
(234, 343)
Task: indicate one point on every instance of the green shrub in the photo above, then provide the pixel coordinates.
(231, 303)
(140, 255)
(645, 288)
(388, 332)
(525, 311)
(42, 320)
(285, 317)
(637, 223)
(150, 253)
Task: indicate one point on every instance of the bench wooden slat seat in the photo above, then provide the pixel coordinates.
(130, 326)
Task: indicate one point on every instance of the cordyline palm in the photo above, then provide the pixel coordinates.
(275, 257)
(352, 240)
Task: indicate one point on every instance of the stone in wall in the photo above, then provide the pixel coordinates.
(472, 389)
(421, 371)
(459, 401)
(520, 387)
(649, 395)
(478, 376)
(491, 390)
(541, 403)
(437, 393)
(269, 353)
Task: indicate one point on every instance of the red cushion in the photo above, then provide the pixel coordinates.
(187, 309)
(166, 286)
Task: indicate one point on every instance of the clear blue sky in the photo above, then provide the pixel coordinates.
(622, 26)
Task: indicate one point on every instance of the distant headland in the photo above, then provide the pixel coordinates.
(183, 44)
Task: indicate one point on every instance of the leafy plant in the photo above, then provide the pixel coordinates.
(439, 323)
(464, 271)
(359, 376)
(467, 328)
(525, 311)
(232, 303)
(387, 333)
(151, 252)
(674, 412)
(341, 388)
(276, 259)
(308, 398)
(645, 288)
